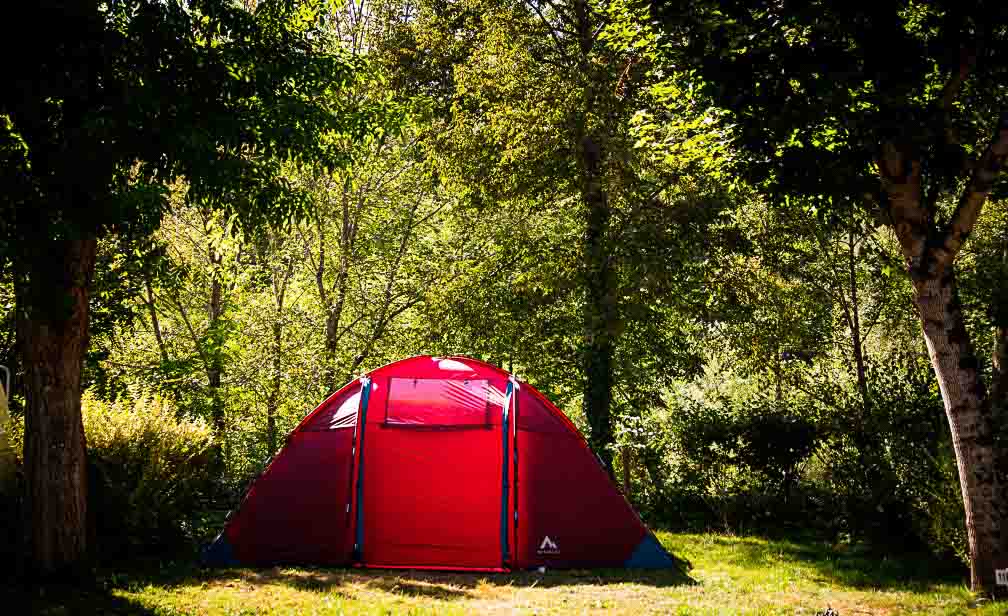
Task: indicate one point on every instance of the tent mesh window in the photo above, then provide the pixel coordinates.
(438, 403)
(339, 413)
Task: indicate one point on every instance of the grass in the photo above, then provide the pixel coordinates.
(729, 575)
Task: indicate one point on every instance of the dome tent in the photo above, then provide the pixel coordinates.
(437, 463)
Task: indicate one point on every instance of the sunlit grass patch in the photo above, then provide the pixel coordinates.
(729, 575)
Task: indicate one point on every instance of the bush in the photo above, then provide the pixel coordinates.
(885, 473)
(732, 461)
(149, 474)
(890, 470)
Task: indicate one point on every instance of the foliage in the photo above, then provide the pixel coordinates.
(889, 469)
(149, 468)
(815, 90)
(737, 458)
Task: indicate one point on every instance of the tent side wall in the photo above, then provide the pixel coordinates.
(296, 511)
(570, 513)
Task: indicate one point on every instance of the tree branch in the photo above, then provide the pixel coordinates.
(534, 5)
(975, 193)
(901, 182)
(954, 84)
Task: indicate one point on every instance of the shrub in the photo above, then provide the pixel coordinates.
(732, 461)
(11, 491)
(149, 473)
(889, 469)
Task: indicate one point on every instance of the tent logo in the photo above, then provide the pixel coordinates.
(548, 546)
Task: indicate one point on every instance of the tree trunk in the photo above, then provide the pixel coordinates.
(855, 326)
(999, 358)
(599, 312)
(970, 415)
(274, 398)
(625, 458)
(215, 370)
(599, 308)
(333, 333)
(53, 332)
(930, 251)
(155, 324)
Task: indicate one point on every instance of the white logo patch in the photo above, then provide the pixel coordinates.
(1001, 577)
(548, 546)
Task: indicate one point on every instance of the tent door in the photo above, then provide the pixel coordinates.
(431, 475)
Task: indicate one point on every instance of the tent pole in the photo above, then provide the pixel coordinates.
(358, 551)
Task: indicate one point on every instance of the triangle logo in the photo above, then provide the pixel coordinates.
(548, 546)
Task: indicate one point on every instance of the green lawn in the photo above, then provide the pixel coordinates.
(729, 575)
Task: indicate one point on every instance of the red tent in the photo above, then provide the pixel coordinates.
(438, 463)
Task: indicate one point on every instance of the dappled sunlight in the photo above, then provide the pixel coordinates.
(728, 574)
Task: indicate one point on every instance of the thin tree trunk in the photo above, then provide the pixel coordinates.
(215, 367)
(778, 387)
(335, 304)
(384, 315)
(861, 433)
(53, 333)
(155, 324)
(999, 358)
(333, 333)
(999, 412)
(625, 455)
(280, 282)
(274, 398)
(855, 325)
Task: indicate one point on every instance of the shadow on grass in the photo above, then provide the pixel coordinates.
(852, 565)
(66, 601)
(351, 582)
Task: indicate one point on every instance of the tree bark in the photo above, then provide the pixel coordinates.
(155, 324)
(599, 312)
(970, 418)
(334, 305)
(855, 326)
(274, 397)
(386, 314)
(215, 368)
(930, 251)
(53, 315)
(599, 308)
(625, 455)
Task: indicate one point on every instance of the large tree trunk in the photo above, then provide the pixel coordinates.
(599, 312)
(53, 333)
(970, 416)
(930, 251)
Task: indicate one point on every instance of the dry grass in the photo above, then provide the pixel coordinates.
(729, 575)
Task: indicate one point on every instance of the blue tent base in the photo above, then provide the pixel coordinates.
(218, 553)
(649, 554)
